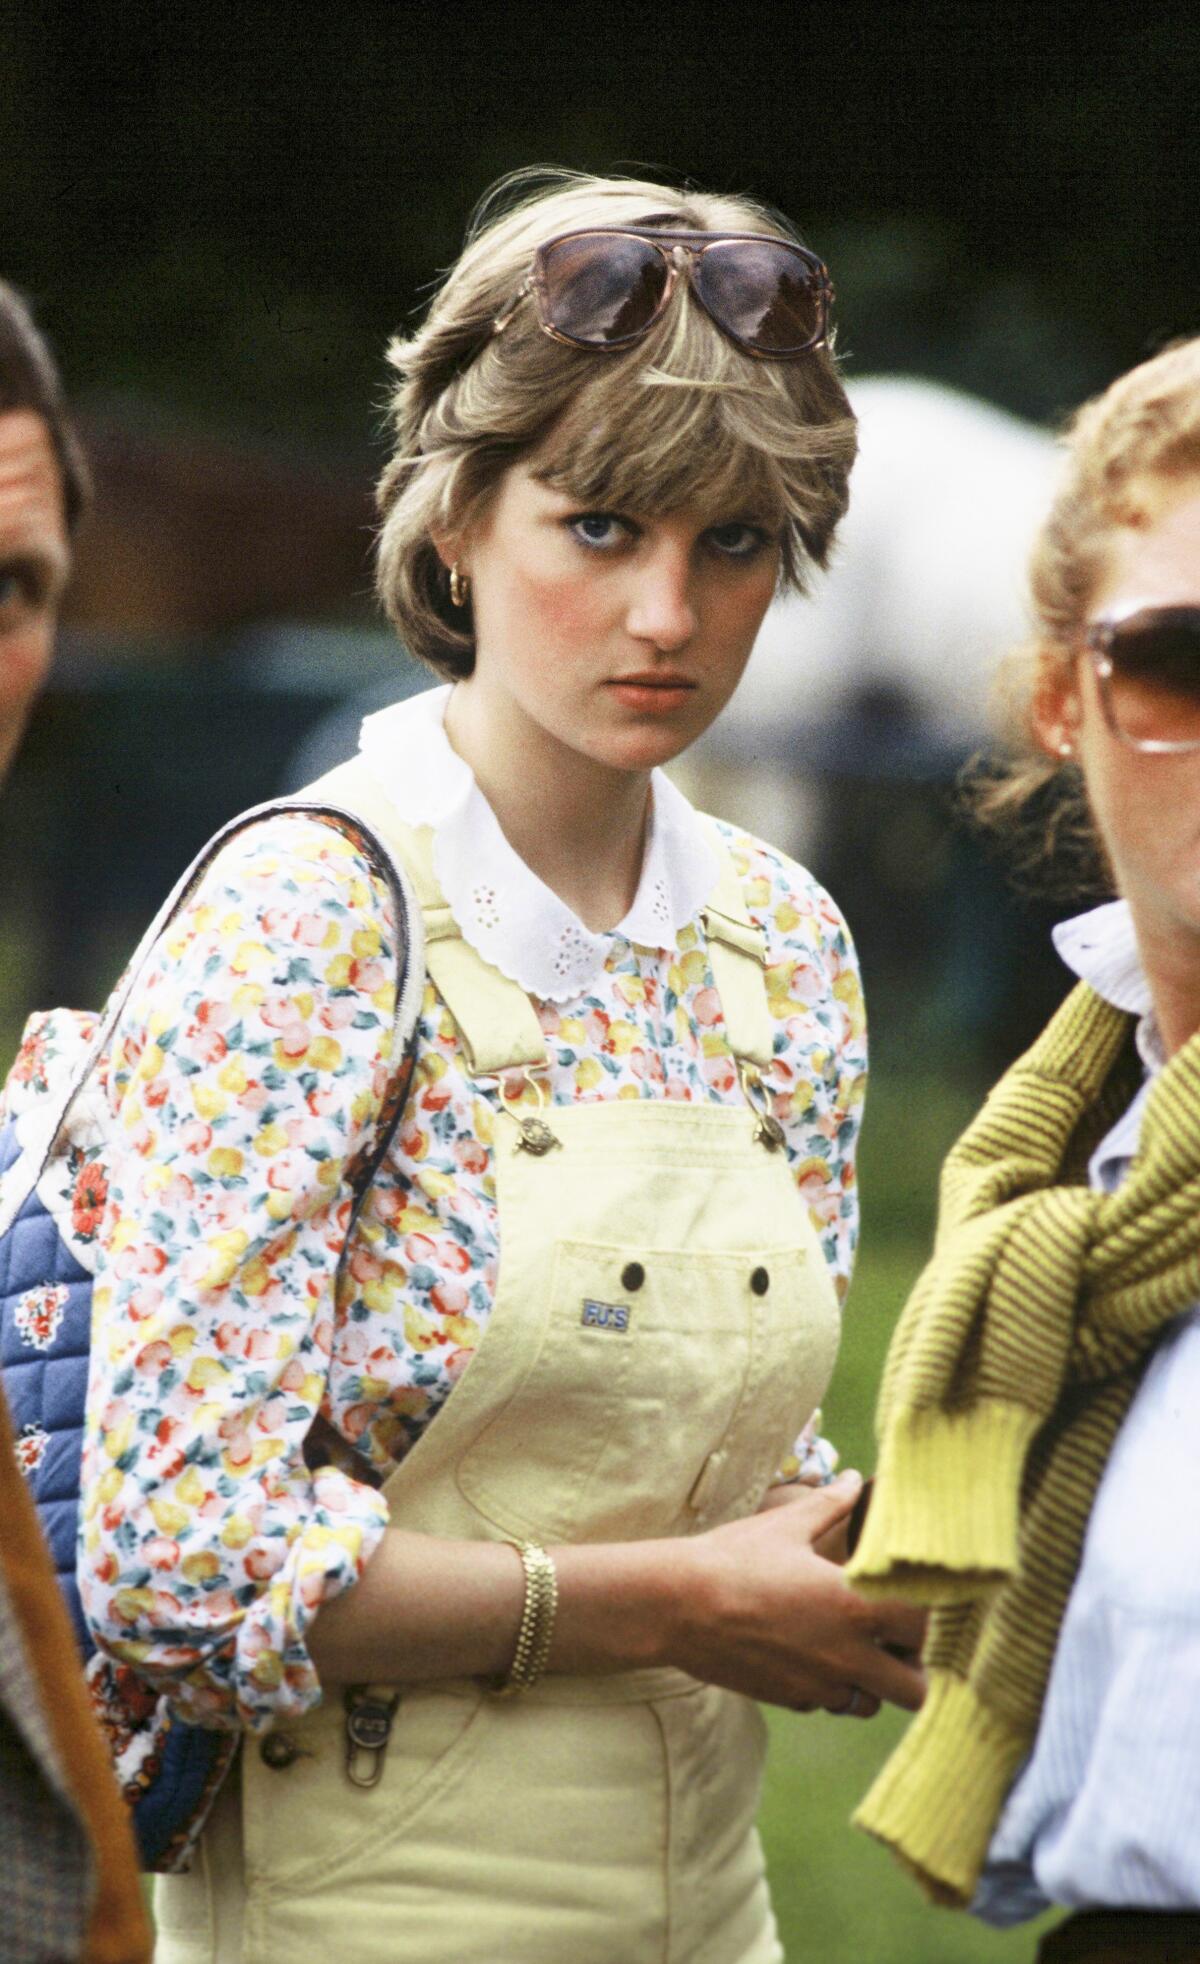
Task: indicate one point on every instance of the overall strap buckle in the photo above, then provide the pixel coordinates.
(536, 1135)
(369, 1716)
(768, 1131)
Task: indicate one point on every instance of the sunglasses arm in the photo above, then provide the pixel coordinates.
(506, 313)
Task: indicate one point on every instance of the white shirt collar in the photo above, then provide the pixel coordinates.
(510, 916)
(1100, 947)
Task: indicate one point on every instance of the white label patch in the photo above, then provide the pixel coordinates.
(605, 1316)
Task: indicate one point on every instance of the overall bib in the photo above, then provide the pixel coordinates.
(664, 1325)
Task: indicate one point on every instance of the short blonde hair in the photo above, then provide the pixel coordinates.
(683, 416)
(1119, 447)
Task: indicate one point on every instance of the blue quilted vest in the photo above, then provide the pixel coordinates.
(45, 1324)
(45, 1319)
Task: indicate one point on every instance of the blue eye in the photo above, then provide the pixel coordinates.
(598, 530)
(738, 540)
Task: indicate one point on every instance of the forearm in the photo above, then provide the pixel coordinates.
(754, 1606)
(428, 1608)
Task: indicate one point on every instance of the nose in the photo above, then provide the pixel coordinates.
(662, 608)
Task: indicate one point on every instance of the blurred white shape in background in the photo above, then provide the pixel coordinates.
(926, 592)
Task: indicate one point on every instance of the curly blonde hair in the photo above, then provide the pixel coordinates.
(1118, 448)
(683, 416)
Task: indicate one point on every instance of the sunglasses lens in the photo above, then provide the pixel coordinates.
(770, 296)
(1154, 688)
(601, 289)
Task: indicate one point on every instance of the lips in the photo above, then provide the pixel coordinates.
(655, 694)
(655, 678)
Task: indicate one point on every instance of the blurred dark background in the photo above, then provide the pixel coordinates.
(221, 213)
(227, 209)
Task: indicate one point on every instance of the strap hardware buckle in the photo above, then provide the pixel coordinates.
(536, 1136)
(369, 1717)
(768, 1131)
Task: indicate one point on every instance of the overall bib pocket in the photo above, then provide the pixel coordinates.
(622, 1409)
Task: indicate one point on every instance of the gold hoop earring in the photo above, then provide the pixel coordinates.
(460, 586)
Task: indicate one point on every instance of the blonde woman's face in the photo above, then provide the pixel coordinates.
(1146, 807)
(615, 635)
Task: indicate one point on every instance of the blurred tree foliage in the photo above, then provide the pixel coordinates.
(228, 209)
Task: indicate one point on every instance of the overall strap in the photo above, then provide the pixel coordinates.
(496, 1020)
(737, 951)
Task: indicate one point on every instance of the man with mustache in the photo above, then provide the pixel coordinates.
(66, 1850)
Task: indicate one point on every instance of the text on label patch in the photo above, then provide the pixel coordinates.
(605, 1316)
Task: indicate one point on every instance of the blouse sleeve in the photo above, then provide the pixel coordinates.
(247, 1068)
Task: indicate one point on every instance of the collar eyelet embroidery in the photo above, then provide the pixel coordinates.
(506, 913)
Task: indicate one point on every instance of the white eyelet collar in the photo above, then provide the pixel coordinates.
(510, 916)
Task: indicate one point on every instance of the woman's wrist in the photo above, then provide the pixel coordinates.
(621, 1605)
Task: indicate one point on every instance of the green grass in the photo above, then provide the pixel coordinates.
(839, 1897)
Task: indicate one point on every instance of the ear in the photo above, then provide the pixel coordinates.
(1056, 707)
(448, 547)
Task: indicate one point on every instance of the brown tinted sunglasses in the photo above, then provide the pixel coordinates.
(604, 288)
(1147, 665)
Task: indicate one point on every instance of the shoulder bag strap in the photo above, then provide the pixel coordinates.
(496, 1020)
(39, 1139)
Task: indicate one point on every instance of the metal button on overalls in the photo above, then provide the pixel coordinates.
(278, 1752)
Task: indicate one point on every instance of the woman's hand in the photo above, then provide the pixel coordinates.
(754, 1606)
(764, 1610)
(839, 1540)
(758, 1606)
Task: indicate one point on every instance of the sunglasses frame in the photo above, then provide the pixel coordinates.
(670, 244)
(1098, 640)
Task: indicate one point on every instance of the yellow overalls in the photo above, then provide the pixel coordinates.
(664, 1325)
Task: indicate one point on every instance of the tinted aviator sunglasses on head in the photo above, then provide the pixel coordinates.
(1147, 666)
(604, 288)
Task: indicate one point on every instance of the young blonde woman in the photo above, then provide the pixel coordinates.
(592, 1300)
(1039, 1464)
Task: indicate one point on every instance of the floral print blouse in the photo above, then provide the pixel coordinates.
(246, 1069)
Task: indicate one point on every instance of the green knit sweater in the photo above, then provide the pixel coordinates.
(1009, 1374)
